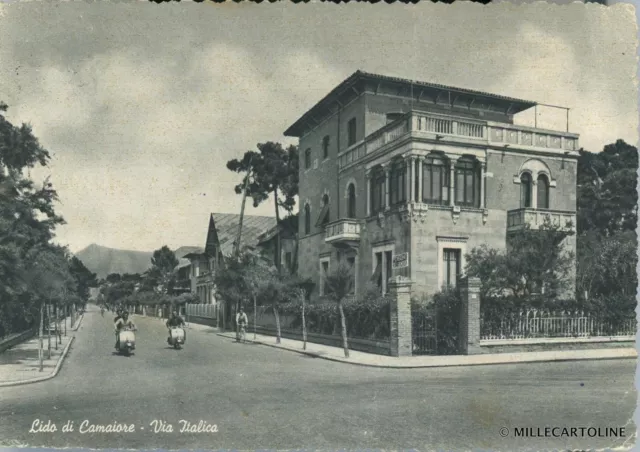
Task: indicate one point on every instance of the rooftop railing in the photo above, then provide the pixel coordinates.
(451, 129)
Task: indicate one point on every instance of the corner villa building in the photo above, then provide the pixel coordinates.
(403, 178)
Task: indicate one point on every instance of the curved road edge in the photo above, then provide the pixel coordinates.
(47, 377)
(464, 360)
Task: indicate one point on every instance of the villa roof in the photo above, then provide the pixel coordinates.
(295, 130)
(226, 225)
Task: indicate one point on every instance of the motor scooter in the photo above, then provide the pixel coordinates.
(127, 341)
(176, 338)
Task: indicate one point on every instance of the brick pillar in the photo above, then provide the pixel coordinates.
(400, 327)
(469, 316)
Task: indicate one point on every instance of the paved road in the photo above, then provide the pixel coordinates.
(261, 397)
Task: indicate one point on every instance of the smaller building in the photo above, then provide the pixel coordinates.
(222, 234)
(182, 277)
(268, 243)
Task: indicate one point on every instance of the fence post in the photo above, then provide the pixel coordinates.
(469, 316)
(400, 319)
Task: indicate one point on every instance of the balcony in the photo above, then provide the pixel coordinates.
(461, 131)
(535, 218)
(345, 231)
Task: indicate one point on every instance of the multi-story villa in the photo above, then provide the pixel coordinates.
(403, 178)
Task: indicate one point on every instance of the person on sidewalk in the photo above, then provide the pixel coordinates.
(122, 322)
(175, 321)
(241, 322)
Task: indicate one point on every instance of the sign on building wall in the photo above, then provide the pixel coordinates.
(400, 261)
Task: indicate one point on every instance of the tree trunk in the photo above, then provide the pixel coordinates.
(277, 316)
(55, 316)
(73, 314)
(49, 330)
(304, 323)
(343, 323)
(244, 199)
(41, 346)
(278, 245)
(255, 315)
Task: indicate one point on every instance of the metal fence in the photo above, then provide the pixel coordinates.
(201, 310)
(535, 324)
(424, 329)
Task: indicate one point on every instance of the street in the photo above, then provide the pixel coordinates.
(260, 397)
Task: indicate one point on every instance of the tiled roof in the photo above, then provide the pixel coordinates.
(252, 226)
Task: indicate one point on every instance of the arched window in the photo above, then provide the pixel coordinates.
(435, 181)
(351, 201)
(307, 219)
(543, 192)
(325, 210)
(525, 190)
(377, 190)
(398, 181)
(467, 183)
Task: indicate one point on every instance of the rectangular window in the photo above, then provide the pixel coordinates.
(377, 274)
(351, 261)
(351, 133)
(307, 159)
(287, 260)
(388, 258)
(325, 147)
(451, 267)
(324, 271)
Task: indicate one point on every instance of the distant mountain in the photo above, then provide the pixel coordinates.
(103, 261)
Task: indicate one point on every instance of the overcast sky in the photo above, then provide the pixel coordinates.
(141, 105)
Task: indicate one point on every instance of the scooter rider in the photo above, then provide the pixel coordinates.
(175, 321)
(122, 322)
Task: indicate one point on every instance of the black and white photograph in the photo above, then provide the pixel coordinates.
(279, 226)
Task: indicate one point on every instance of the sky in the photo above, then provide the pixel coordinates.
(141, 105)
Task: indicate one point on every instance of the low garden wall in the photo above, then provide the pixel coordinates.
(14, 339)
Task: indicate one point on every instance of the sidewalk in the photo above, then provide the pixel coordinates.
(20, 364)
(409, 362)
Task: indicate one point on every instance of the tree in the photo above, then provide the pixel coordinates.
(534, 262)
(607, 196)
(161, 274)
(27, 220)
(83, 277)
(274, 170)
(339, 283)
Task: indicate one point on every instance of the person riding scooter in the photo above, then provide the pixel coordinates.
(175, 321)
(122, 322)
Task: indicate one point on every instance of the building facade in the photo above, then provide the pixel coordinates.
(222, 234)
(403, 178)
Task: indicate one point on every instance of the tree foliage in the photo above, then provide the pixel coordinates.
(607, 196)
(534, 262)
(33, 270)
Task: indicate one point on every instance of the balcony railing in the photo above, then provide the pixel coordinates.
(535, 218)
(342, 231)
(448, 128)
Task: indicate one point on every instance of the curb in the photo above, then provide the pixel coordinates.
(425, 366)
(48, 377)
(79, 323)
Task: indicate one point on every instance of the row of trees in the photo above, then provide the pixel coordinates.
(157, 286)
(38, 277)
(251, 280)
